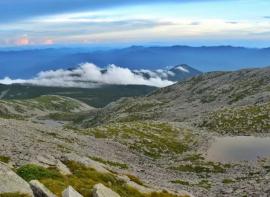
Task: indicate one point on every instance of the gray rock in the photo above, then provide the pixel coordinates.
(101, 191)
(10, 182)
(63, 168)
(40, 190)
(70, 192)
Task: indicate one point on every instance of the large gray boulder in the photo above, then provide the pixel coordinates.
(40, 190)
(10, 182)
(70, 192)
(101, 191)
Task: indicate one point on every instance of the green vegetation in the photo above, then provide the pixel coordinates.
(193, 157)
(31, 172)
(82, 179)
(54, 103)
(96, 97)
(204, 184)
(4, 159)
(22, 109)
(154, 139)
(143, 105)
(228, 181)
(134, 179)
(13, 195)
(181, 182)
(111, 163)
(6, 113)
(125, 110)
(239, 120)
(202, 167)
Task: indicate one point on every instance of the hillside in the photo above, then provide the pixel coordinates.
(156, 145)
(191, 99)
(96, 97)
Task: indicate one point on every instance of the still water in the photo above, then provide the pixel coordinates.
(240, 148)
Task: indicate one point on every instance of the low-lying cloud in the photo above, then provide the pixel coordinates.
(89, 75)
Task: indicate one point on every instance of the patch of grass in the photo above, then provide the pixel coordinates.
(204, 184)
(134, 179)
(82, 179)
(163, 194)
(4, 159)
(13, 195)
(56, 103)
(228, 181)
(111, 163)
(181, 182)
(32, 172)
(193, 157)
(153, 139)
(201, 167)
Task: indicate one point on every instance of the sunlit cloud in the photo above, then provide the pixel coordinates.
(22, 41)
(48, 42)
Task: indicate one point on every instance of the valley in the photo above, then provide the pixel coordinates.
(160, 141)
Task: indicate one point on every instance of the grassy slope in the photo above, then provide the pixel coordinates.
(153, 139)
(82, 179)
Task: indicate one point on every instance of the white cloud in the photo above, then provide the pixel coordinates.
(90, 75)
(181, 68)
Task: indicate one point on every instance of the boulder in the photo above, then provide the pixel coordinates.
(10, 182)
(101, 191)
(63, 168)
(70, 192)
(40, 190)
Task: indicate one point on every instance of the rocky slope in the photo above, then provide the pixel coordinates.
(38, 148)
(191, 99)
(141, 146)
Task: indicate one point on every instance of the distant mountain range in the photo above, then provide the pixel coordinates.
(26, 63)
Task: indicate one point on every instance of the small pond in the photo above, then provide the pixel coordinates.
(240, 148)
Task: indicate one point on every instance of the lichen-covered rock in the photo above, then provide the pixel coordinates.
(40, 190)
(10, 182)
(101, 191)
(70, 192)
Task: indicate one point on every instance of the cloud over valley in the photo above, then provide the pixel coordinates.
(88, 75)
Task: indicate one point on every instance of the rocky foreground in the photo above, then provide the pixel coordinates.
(154, 146)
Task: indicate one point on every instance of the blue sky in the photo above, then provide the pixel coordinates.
(122, 22)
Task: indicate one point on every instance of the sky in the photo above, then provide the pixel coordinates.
(140, 22)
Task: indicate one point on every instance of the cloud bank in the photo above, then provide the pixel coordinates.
(89, 75)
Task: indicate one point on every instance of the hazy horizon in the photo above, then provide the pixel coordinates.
(119, 23)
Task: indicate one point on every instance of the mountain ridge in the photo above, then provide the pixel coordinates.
(30, 62)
